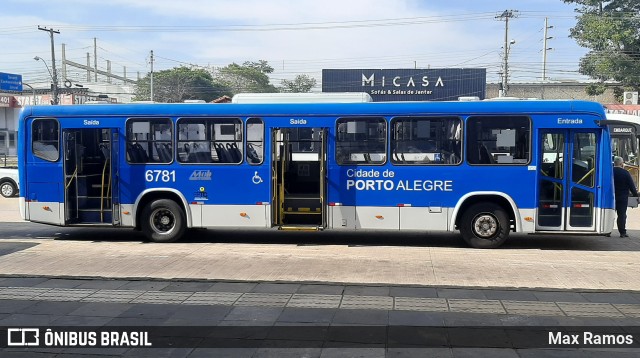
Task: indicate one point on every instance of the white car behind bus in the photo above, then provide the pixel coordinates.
(9, 182)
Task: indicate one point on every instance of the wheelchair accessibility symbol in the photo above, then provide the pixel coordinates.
(256, 178)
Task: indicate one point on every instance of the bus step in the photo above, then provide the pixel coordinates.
(302, 211)
(302, 197)
(89, 202)
(300, 228)
(94, 216)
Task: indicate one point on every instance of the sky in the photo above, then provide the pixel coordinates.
(295, 37)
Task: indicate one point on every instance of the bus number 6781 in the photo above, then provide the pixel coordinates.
(160, 175)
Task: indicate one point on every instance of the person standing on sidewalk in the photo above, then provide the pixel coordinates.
(623, 184)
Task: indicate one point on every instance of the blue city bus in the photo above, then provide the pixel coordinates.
(485, 168)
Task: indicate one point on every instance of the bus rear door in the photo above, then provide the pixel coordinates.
(90, 170)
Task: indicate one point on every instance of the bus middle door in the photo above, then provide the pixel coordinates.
(299, 178)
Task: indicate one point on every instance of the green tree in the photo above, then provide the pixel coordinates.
(611, 30)
(250, 77)
(300, 84)
(179, 84)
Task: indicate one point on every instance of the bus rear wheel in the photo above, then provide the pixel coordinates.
(163, 221)
(485, 226)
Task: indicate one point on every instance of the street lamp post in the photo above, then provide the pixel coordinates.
(54, 79)
(33, 90)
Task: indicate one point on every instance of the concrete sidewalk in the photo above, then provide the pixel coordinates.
(252, 316)
(592, 263)
(9, 210)
(614, 305)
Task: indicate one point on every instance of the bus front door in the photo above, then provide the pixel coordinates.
(90, 186)
(567, 180)
(298, 178)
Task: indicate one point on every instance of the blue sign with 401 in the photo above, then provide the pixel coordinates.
(10, 82)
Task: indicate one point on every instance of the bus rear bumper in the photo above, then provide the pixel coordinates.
(22, 207)
(608, 218)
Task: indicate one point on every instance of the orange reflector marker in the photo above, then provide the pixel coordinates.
(46, 208)
(126, 212)
(528, 218)
(244, 215)
(379, 217)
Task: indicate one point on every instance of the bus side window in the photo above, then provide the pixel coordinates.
(361, 140)
(498, 140)
(426, 140)
(46, 139)
(210, 140)
(149, 140)
(255, 141)
(226, 137)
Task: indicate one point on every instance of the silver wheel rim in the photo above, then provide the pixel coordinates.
(162, 221)
(7, 189)
(485, 226)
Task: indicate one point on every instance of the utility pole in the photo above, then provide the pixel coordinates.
(506, 15)
(64, 66)
(109, 71)
(88, 67)
(151, 76)
(545, 49)
(95, 59)
(54, 75)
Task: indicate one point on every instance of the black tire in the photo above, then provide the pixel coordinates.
(8, 189)
(484, 226)
(163, 221)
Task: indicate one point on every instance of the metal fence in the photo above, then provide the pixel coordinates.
(8, 161)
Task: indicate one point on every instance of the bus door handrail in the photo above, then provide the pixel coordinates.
(74, 175)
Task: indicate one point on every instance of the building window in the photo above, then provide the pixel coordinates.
(149, 140)
(12, 140)
(46, 139)
(498, 140)
(426, 140)
(361, 141)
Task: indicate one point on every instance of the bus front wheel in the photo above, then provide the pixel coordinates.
(163, 221)
(485, 226)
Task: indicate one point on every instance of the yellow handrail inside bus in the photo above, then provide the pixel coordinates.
(74, 175)
(102, 194)
(585, 176)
